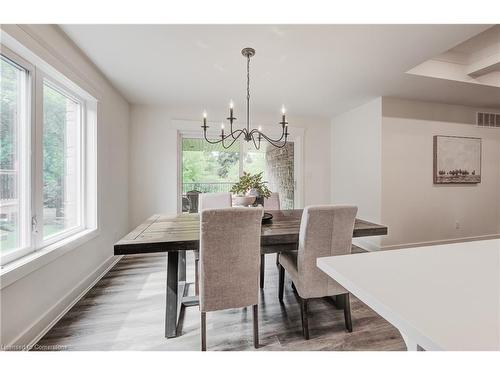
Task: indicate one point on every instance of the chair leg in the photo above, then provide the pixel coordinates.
(305, 322)
(347, 312)
(281, 282)
(196, 277)
(256, 326)
(262, 269)
(203, 332)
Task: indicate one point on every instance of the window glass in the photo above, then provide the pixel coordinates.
(61, 161)
(254, 160)
(208, 168)
(13, 113)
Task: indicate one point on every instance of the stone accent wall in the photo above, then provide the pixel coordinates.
(279, 168)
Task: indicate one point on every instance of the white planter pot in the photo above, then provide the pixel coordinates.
(244, 201)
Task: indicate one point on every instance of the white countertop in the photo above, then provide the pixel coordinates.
(444, 297)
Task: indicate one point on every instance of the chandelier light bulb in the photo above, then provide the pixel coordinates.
(205, 114)
(231, 104)
(222, 126)
(283, 110)
(260, 128)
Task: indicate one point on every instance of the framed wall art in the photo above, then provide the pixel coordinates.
(457, 160)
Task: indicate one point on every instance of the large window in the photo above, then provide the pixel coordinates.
(209, 168)
(14, 157)
(61, 162)
(47, 174)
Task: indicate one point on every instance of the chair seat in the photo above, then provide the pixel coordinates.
(289, 262)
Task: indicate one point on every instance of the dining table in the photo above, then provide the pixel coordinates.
(177, 233)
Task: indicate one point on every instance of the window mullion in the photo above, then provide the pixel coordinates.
(38, 163)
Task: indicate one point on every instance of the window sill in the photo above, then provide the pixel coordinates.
(22, 267)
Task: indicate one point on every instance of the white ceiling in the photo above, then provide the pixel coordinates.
(319, 70)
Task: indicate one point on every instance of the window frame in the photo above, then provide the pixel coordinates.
(43, 79)
(26, 159)
(190, 129)
(40, 72)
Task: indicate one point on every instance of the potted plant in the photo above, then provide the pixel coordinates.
(249, 188)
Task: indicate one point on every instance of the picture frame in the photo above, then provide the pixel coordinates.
(457, 160)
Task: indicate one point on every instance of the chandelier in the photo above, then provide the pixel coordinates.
(254, 135)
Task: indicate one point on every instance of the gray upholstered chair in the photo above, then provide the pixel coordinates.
(273, 202)
(324, 231)
(209, 201)
(214, 200)
(229, 262)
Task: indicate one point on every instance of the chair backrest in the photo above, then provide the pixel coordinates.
(214, 200)
(229, 257)
(324, 231)
(273, 202)
(193, 196)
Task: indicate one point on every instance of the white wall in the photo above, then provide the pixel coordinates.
(356, 158)
(416, 210)
(382, 161)
(153, 157)
(31, 303)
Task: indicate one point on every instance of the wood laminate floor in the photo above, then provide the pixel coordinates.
(125, 311)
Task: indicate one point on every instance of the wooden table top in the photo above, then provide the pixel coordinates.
(163, 232)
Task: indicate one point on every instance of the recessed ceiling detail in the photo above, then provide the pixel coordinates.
(475, 61)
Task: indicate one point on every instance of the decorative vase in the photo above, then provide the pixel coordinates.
(243, 200)
(258, 199)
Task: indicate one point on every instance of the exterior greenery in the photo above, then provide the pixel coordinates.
(54, 119)
(54, 158)
(203, 163)
(8, 105)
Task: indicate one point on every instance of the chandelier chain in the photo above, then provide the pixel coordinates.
(248, 93)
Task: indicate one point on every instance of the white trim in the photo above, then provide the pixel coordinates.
(19, 48)
(179, 171)
(39, 328)
(22, 267)
(441, 242)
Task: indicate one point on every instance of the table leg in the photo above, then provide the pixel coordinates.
(172, 297)
(176, 283)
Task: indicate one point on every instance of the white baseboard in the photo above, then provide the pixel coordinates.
(440, 242)
(29, 337)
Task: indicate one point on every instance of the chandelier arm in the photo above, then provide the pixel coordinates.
(268, 138)
(208, 140)
(231, 127)
(240, 131)
(253, 141)
(274, 142)
(235, 138)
